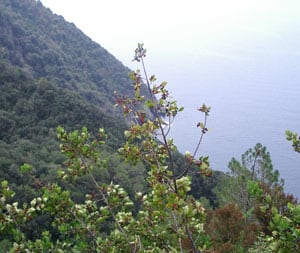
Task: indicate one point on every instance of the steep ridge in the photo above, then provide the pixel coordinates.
(45, 45)
(51, 74)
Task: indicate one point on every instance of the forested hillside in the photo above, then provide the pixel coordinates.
(51, 75)
(45, 45)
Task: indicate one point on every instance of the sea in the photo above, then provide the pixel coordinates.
(254, 98)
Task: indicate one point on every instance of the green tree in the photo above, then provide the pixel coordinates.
(255, 165)
(293, 137)
(248, 184)
(283, 232)
(284, 221)
(168, 218)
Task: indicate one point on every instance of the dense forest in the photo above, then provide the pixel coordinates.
(79, 174)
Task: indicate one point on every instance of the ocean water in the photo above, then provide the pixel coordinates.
(254, 98)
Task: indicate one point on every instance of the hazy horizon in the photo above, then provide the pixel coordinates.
(180, 29)
(240, 57)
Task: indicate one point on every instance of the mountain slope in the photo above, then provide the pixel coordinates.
(45, 45)
(51, 74)
(30, 111)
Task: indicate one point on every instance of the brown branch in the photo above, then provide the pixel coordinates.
(183, 173)
(188, 232)
(157, 116)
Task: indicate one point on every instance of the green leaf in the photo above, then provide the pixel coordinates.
(26, 168)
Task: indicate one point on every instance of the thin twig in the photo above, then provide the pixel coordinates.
(105, 201)
(157, 116)
(196, 149)
(201, 136)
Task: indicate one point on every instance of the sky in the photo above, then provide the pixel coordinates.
(176, 28)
